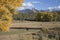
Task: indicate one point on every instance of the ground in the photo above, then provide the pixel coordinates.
(33, 24)
(23, 34)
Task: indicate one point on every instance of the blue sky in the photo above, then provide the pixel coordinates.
(41, 4)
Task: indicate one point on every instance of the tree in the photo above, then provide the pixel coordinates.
(46, 16)
(39, 16)
(7, 9)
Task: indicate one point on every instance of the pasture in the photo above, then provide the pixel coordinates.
(34, 33)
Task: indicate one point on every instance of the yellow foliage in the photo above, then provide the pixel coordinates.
(11, 2)
(7, 9)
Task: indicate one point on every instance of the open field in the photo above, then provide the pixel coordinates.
(31, 34)
(17, 34)
(32, 24)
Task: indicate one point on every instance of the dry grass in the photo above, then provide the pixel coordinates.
(23, 34)
(32, 24)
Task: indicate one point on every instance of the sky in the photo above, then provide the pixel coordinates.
(41, 4)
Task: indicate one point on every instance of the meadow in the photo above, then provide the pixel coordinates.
(32, 33)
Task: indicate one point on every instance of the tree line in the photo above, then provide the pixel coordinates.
(38, 16)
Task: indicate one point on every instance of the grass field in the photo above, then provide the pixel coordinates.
(23, 34)
(32, 24)
(18, 35)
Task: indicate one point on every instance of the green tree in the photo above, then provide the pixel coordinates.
(39, 17)
(46, 16)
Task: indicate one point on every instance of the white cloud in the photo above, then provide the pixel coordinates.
(56, 7)
(20, 8)
(24, 4)
(50, 8)
(28, 4)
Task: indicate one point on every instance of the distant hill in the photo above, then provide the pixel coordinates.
(33, 10)
(25, 11)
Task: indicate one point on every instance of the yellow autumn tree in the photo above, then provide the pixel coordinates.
(7, 9)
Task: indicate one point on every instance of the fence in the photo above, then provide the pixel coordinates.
(30, 34)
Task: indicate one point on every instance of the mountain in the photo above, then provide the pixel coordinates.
(25, 11)
(33, 10)
(54, 9)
